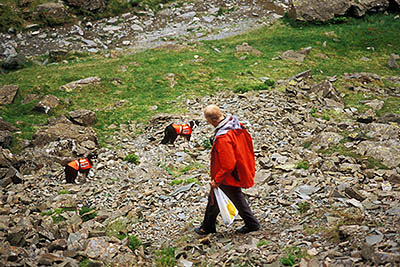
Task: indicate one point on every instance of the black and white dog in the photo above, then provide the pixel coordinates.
(82, 166)
(173, 130)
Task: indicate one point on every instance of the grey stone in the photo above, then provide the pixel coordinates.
(7, 94)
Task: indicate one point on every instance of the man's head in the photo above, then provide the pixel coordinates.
(213, 115)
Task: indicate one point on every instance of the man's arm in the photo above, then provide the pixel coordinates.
(226, 159)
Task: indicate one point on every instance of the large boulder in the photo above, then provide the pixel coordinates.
(325, 10)
(387, 152)
(6, 138)
(7, 94)
(63, 131)
(8, 174)
(53, 13)
(83, 117)
(14, 62)
(90, 5)
(6, 126)
(47, 103)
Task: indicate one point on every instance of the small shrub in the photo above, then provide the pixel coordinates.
(191, 180)
(176, 182)
(207, 143)
(241, 89)
(263, 243)
(87, 213)
(166, 257)
(260, 87)
(294, 254)
(134, 242)
(307, 144)
(338, 20)
(57, 218)
(187, 181)
(326, 117)
(303, 165)
(117, 229)
(47, 213)
(290, 260)
(85, 263)
(132, 158)
(63, 192)
(9, 18)
(170, 172)
(269, 83)
(303, 207)
(313, 112)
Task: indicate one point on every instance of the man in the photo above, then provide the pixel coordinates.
(232, 168)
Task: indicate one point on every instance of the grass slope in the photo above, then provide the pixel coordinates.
(202, 68)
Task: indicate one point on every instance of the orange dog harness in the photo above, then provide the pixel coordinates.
(82, 163)
(183, 129)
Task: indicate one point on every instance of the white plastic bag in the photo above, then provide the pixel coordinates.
(227, 209)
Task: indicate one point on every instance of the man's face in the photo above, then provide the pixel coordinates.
(211, 122)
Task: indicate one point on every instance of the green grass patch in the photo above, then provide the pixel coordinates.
(187, 181)
(132, 158)
(166, 257)
(57, 218)
(293, 256)
(244, 88)
(206, 143)
(117, 229)
(392, 105)
(134, 242)
(47, 212)
(179, 171)
(199, 70)
(370, 162)
(351, 216)
(303, 207)
(304, 164)
(263, 242)
(56, 214)
(64, 192)
(87, 213)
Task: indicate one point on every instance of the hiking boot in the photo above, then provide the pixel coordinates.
(201, 231)
(245, 229)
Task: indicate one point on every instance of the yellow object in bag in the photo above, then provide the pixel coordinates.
(226, 207)
(231, 209)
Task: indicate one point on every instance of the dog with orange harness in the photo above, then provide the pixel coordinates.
(74, 167)
(173, 130)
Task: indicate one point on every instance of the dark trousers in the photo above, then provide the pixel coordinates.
(236, 196)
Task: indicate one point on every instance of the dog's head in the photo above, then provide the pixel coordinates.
(92, 155)
(194, 123)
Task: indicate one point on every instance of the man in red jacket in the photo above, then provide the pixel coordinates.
(232, 168)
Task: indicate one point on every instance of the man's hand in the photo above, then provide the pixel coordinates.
(213, 184)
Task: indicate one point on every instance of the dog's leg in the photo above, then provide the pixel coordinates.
(173, 138)
(70, 174)
(84, 176)
(187, 137)
(165, 140)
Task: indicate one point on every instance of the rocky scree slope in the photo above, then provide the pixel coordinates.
(335, 208)
(174, 23)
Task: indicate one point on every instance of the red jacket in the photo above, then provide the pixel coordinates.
(232, 155)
